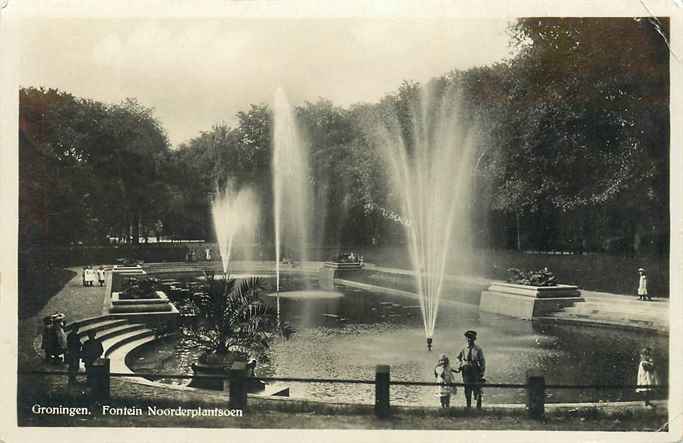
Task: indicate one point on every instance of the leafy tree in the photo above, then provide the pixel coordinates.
(584, 121)
(103, 163)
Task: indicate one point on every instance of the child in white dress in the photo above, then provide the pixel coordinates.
(647, 375)
(642, 285)
(444, 375)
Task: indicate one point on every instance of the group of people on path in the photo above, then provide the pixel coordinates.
(471, 365)
(57, 344)
(191, 255)
(91, 275)
(54, 341)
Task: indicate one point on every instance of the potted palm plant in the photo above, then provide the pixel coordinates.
(230, 323)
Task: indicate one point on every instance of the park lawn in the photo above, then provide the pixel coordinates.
(38, 290)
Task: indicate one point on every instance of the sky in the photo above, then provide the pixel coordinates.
(199, 72)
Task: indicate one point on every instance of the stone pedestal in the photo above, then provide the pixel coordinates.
(527, 302)
(332, 270)
(156, 311)
(326, 278)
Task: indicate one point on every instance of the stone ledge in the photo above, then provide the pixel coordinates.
(523, 306)
(536, 291)
(141, 308)
(161, 299)
(343, 266)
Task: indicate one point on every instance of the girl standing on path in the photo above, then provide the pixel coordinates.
(642, 285)
(647, 375)
(444, 375)
(90, 276)
(100, 275)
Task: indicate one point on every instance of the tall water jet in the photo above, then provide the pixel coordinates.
(290, 187)
(234, 213)
(428, 141)
(291, 180)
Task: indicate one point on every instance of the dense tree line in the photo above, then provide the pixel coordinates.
(96, 169)
(573, 153)
(582, 133)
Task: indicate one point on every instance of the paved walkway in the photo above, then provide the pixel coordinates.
(619, 310)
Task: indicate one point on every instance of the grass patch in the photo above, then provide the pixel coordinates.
(38, 286)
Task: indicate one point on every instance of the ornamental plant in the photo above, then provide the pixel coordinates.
(229, 317)
(541, 277)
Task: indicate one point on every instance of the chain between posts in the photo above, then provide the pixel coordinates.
(346, 381)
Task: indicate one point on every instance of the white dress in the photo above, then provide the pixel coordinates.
(645, 376)
(90, 276)
(642, 285)
(444, 375)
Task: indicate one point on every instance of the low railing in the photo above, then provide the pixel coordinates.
(99, 376)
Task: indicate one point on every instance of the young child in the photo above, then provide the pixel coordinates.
(647, 375)
(642, 285)
(444, 375)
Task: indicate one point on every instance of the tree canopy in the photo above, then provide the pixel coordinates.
(103, 164)
(574, 150)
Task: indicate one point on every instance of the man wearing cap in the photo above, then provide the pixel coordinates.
(472, 366)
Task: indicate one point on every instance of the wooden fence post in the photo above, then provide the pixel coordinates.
(535, 394)
(238, 386)
(99, 379)
(382, 380)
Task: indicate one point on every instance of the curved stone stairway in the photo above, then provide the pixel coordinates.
(118, 336)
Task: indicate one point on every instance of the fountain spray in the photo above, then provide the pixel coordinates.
(290, 187)
(233, 213)
(429, 153)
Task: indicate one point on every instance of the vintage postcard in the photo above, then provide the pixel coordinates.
(384, 218)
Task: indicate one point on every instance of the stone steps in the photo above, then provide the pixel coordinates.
(602, 311)
(114, 342)
(117, 355)
(631, 325)
(627, 304)
(99, 326)
(120, 330)
(616, 311)
(89, 321)
(611, 316)
(607, 317)
(112, 332)
(119, 337)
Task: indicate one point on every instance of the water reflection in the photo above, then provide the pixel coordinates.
(346, 337)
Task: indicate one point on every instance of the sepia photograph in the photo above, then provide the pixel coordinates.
(367, 221)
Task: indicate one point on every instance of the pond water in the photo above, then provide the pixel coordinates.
(347, 336)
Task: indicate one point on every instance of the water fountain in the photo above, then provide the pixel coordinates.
(290, 187)
(349, 334)
(429, 152)
(234, 213)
